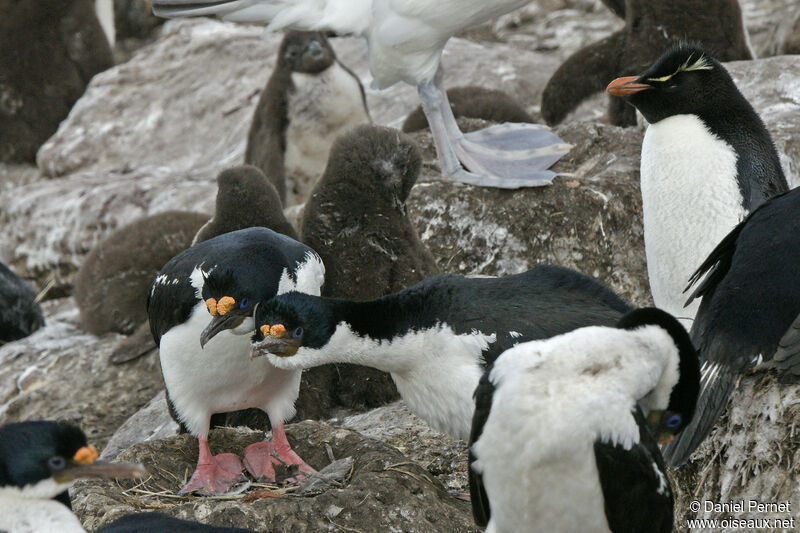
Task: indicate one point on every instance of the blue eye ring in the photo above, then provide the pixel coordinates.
(674, 421)
(297, 333)
(56, 463)
(243, 303)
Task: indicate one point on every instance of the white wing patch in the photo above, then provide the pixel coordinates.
(663, 485)
(196, 278)
(310, 276)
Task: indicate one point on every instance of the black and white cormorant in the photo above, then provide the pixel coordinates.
(406, 39)
(707, 161)
(200, 310)
(561, 439)
(749, 311)
(40, 459)
(436, 337)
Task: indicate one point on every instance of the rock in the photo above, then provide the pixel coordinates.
(59, 372)
(137, 112)
(385, 492)
(589, 219)
(442, 455)
(151, 422)
(753, 454)
(51, 225)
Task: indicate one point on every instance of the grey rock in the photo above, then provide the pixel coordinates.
(440, 454)
(60, 372)
(151, 422)
(589, 219)
(386, 491)
(49, 226)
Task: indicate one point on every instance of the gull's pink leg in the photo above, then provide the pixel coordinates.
(214, 474)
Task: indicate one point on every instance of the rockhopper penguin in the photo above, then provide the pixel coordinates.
(405, 39)
(436, 337)
(200, 309)
(561, 439)
(707, 161)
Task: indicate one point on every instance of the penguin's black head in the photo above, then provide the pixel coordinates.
(229, 300)
(290, 321)
(37, 451)
(668, 422)
(683, 81)
(305, 51)
(374, 166)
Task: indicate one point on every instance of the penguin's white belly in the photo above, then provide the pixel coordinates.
(321, 107)
(220, 377)
(690, 201)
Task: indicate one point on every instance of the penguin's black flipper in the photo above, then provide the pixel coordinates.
(717, 382)
(477, 492)
(584, 73)
(787, 356)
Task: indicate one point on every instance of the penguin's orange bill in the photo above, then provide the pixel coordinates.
(626, 86)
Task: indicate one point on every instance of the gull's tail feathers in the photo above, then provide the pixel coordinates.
(343, 17)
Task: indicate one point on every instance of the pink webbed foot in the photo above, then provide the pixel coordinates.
(261, 458)
(214, 474)
(258, 460)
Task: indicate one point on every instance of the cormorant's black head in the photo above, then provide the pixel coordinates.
(667, 423)
(229, 300)
(37, 451)
(376, 164)
(683, 81)
(290, 321)
(305, 51)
